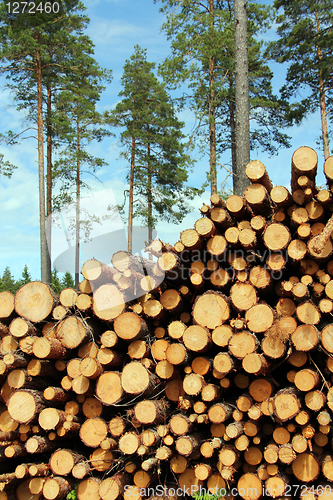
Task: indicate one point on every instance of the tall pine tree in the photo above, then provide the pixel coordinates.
(80, 124)
(154, 147)
(203, 56)
(27, 54)
(305, 29)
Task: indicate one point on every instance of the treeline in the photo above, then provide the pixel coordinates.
(9, 284)
(48, 60)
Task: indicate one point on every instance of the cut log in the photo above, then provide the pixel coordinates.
(34, 301)
(93, 431)
(286, 404)
(109, 388)
(150, 412)
(25, 405)
(305, 467)
(211, 310)
(108, 302)
(129, 326)
(71, 332)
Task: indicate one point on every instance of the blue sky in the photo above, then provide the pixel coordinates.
(115, 27)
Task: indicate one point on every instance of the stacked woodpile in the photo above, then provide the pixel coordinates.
(219, 376)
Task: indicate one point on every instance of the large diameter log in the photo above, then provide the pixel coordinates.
(24, 405)
(108, 302)
(211, 310)
(34, 301)
(305, 467)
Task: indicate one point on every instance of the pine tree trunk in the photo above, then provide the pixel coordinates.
(77, 215)
(323, 113)
(150, 199)
(131, 195)
(44, 252)
(49, 170)
(232, 129)
(240, 182)
(212, 133)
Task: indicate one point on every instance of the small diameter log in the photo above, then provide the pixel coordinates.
(21, 327)
(223, 363)
(219, 413)
(257, 197)
(249, 487)
(308, 313)
(34, 301)
(6, 305)
(88, 489)
(259, 318)
(113, 487)
(151, 412)
(256, 172)
(51, 418)
(44, 348)
(186, 445)
(38, 444)
(243, 296)
(242, 343)
(129, 443)
(67, 297)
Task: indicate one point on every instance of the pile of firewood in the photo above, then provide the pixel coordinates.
(216, 376)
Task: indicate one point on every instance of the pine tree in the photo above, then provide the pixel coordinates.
(81, 124)
(154, 147)
(305, 30)
(56, 284)
(7, 282)
(67, 281)
(27, 58)
(241, 97)
(203, 56)
(26, 276)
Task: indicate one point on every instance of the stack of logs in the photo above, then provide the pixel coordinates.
(209, 365)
